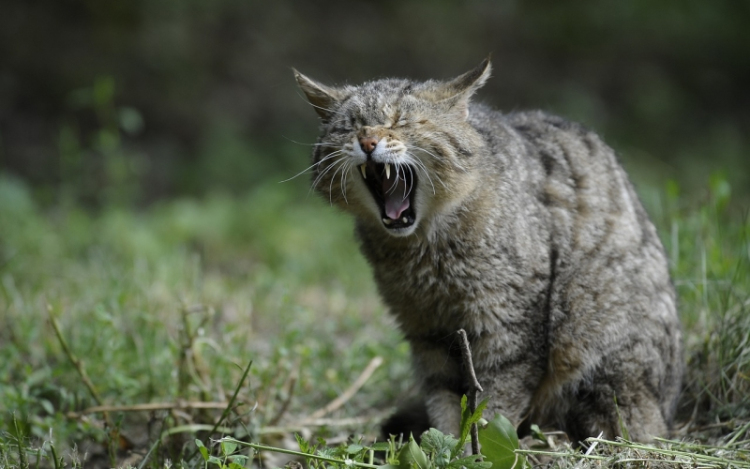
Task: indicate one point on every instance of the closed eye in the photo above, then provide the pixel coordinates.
(340, 130)
(405, 122)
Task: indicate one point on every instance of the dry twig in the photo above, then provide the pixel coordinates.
(148, 407)
(289, 385)
(77, 363)
(347, 394)
(474, 387)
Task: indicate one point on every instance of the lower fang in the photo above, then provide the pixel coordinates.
(387, 221)
(364, 173)
(404, 220)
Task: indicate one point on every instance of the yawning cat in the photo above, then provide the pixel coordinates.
(520, 228)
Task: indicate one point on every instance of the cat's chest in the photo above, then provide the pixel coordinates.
(456, 281)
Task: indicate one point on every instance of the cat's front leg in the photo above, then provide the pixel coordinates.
(444, 410)
(441, 385)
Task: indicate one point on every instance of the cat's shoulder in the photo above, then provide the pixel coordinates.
(531, 122)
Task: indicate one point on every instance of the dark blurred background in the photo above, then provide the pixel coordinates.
(127, 102)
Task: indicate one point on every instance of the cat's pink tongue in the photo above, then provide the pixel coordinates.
(394, 190)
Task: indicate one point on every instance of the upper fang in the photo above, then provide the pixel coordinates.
(387, 171)
(364, 173)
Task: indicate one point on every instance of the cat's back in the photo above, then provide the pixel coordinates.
(600, 236)
(574, 176)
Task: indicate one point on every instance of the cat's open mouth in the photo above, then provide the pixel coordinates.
(393, 188)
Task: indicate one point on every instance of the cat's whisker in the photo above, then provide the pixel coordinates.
(437, 157)
(427, 176)
(411, 186)
(346, 179)
(340, 165)
(458, 165)
(342, 178)
(344, 175)
(398, 174)
(320, 176)
(427, 151)
(392, 189)
(417, 163)
(308, 144)
(329, 156)
(314, 165)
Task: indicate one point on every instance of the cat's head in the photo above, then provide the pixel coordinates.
(395, 152)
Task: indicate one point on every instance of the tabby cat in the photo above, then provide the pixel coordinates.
(523, 230)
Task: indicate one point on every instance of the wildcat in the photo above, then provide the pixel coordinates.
(520, 228)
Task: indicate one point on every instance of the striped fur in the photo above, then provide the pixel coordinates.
(527, 234)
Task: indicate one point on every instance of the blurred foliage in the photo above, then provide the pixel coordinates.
(170, 303)
(127, 102)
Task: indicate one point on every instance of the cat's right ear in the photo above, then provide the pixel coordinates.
(461, 88)
(323, 98)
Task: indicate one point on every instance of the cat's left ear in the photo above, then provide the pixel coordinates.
(459, 90)
(323, 98)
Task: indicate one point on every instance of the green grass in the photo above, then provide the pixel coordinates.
(174, 302)
(170, 304)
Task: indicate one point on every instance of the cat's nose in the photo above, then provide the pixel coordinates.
(368, 144)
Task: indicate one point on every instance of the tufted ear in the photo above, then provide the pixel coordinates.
(456, 93)
(323, 98)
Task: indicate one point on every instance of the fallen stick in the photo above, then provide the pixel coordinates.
(148, 407)
(474, 387)
(347, 394)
